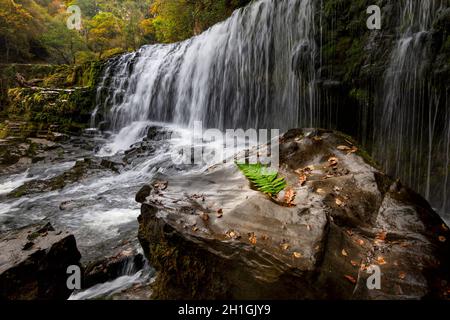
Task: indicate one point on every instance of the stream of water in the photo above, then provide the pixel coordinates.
(238, 74)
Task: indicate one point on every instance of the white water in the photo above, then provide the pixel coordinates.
(258, 69)
(411, 138)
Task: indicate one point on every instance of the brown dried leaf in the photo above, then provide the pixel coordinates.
(442, 239)
(353, 150)
(285, 246)
(402, 275)
(360, 242)
(381, 260)
(344, 148)
(339, 202)
(320, 190)
(252, 238)
(297, 255)
(289, 196)
(302, 179)
(344, 253)
(381, 236)
(350, 278)
(232, 234)
(333, 161)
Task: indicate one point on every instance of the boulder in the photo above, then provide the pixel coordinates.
(143, 193)
(126, 262)
(211, 235)
(34, 262)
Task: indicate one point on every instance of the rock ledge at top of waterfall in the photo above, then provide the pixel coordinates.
(211, 236)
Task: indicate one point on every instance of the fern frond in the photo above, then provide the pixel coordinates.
(263, 178)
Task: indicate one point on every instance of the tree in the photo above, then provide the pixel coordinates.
(105, 32)
(14, 28)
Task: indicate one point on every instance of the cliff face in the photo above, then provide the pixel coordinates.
(211, 236)
(388, 88)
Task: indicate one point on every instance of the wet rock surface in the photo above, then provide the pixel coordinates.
(211, 236)
(34, 262)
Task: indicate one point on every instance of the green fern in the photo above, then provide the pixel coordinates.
(263, 178)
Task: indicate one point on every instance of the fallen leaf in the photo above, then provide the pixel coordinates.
(320, 190)
(220, 211)
(285, 246)
(204, 216)
(252, 238)
(333, 161)
(349, 232)
(442, 239)
(360, 242)
(264, 237)
(402, 275)
(232, 234)
(302, 179)
(344, 148)
(381, 260)
(297, 255)
(194, 229)
(363, 267)
(344, 253)
(339, 202)
(354, 263)
(289, 197)
(353, 150)
(317, 138)
(381, 236)
(350, 278)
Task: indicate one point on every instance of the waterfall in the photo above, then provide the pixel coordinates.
(249, 71)
(411, 132)
(259, 69)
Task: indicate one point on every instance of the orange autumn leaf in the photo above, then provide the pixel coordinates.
(333, 161)
(381, 236)
(381, 260)
(350, 278)
(252, 238)
(289, 196)
(442, 239)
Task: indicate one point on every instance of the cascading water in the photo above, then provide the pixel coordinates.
(258, 70)
(238, 74)
(413, 125)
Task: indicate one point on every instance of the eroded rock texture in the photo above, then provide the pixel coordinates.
(211, 236)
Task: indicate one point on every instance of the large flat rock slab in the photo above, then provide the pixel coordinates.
(211, 235)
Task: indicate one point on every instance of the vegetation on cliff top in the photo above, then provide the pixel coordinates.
(36, 30)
